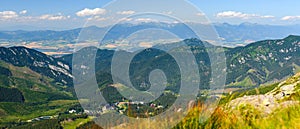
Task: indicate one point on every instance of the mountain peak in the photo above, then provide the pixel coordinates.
(292, 38)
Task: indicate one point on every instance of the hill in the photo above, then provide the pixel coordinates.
(26, 94)
(271, 106)
(258, 63)
(38, 62)
(263, 61)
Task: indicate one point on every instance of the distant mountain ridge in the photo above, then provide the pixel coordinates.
(235, 34)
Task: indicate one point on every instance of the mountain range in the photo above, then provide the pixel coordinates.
(31, 79)
(252, 65)
(266, 61)
(231, 35)
(257, 63)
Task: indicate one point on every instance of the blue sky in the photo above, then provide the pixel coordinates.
(64, 13)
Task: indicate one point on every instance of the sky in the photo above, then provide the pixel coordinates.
(67, 14)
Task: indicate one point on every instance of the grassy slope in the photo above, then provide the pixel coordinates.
(75, 123)
(247, 117)
(35, 87)
(42, 97)
(26, 111)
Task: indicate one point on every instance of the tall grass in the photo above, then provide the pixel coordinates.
(244, 117)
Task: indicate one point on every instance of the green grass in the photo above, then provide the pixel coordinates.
(75, 123)
(245, 117)
(45, 124)
(247, 82)
(26, 111)
(282, 118)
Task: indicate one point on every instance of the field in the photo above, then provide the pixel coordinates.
(12, 112)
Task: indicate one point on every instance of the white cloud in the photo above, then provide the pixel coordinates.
(267, 16)
(23, 12)
(8, 15)
(53, 17)
(234, 14)
(20, 17)
(145, 20)
(97, 18)
(200, 14)
(126, 19)
(90, 12)
(128, 12)
(286, 18)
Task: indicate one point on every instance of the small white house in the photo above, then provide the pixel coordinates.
(72, 111)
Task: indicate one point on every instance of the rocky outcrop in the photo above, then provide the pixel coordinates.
(272, 100)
